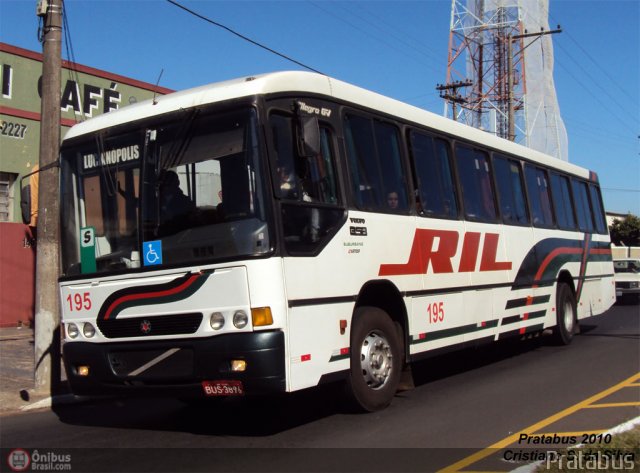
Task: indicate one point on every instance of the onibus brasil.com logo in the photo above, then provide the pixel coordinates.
(21, 460)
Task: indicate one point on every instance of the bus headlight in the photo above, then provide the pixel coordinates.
(216, 321)
(88, 330)
(72, 331)
(240, 319)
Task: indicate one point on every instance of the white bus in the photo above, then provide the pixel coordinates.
(272, 233)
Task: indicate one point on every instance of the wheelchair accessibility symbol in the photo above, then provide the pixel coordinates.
(152, 251)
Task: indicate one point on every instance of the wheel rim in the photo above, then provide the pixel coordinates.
(568, 316)
(376, 360)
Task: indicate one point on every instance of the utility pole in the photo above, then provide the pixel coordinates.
(450, 93)
(47, 316)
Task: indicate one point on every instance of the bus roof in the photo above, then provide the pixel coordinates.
(310, 83)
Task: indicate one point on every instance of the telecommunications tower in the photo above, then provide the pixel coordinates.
(500, 72)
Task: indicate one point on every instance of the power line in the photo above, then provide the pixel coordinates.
(396, 34)
(590, 76)
(613, 189)
(71, 55)
(587, 74)
(592, 59)
(209, 20)
(404, 50)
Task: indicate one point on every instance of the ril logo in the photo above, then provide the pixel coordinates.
(438, 247)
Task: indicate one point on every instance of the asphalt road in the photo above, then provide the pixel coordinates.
(462, 403)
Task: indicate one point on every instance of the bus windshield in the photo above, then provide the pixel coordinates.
(182, 191)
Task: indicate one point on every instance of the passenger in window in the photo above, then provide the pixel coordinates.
(287, 183)
(393, 201)
(174, 205)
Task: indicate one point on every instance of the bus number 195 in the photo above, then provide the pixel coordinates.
(435, 312)
(79, 301)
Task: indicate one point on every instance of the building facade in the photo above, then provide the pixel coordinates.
(86, 92)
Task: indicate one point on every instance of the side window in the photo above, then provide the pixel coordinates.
(285, 162)
(475, 179)
(310, 179)
(598, 210)
(511, 193)
(539, 197)
(307, 187)
(375, 167)
(562, 202)
(432, 164)
(583, 211)
(390, 165)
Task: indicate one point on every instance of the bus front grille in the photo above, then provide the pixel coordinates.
(175, 324)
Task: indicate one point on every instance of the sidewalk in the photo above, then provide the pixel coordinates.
(17, 372)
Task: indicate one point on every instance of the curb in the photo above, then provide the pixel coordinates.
(48, 402)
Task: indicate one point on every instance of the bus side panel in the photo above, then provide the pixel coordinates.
(322, 290)
(434, 321)
(317, 344)
(598, 287)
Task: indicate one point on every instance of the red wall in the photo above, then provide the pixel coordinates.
(17, 275)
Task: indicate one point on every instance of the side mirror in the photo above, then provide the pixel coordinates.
(308, 136)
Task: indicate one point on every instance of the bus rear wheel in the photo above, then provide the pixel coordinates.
(566, 315)
(376, 360)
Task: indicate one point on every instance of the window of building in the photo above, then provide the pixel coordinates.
(6, 199)
(434, 181)
(475, 179)
(510, 190)
(539, 196)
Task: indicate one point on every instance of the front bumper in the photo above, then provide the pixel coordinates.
(623, 288)
(177, 367)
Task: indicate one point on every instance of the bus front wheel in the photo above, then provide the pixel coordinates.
(566, 314)
(375, 359)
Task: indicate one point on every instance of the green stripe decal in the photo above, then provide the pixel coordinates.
(452, 332)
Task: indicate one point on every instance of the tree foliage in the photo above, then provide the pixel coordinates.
(626, 231)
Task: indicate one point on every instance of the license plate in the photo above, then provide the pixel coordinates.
(228, 387)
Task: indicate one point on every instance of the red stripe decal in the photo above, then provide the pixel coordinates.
(554, 254)
(149, 295)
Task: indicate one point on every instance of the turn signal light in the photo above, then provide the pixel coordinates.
(261, 316)
(238, 365)
(83, 370)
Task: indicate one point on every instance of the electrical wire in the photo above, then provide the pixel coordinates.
(226, 28)
(614, 189)
(71, 55)
(602, 89)
(587, 74)
(591, 58)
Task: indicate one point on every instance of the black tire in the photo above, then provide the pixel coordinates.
(566, 315)
(376, 360)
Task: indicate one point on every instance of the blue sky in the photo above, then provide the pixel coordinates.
(397, 48)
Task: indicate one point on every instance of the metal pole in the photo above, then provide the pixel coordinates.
(47, 316)
(511, 113)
